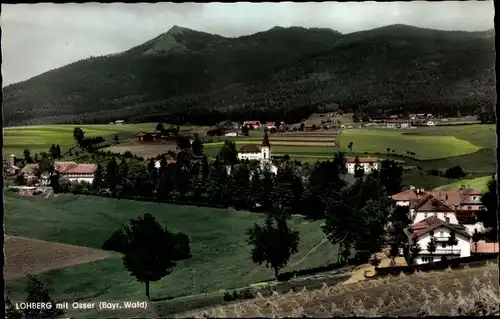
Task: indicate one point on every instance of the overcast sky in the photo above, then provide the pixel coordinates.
(40, 37)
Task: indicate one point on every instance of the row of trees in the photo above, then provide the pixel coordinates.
(191, 179)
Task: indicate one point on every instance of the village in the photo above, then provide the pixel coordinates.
(446, 218)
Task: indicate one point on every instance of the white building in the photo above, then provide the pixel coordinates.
(422, 232)
(76, 172)
(451, 206)
(259, 153)
(368, 164)
(231, 133)
(430, 123)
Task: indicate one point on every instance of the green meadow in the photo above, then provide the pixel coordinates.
(221, 257)
(424, 146)
(39, 138)
(480, 183)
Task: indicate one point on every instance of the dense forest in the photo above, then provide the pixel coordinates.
(286, 73)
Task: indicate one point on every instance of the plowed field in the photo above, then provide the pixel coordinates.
(25, 256)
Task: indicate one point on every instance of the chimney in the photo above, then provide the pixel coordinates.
(12, 160)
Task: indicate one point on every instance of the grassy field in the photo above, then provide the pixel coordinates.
(221, 257)
(440, 293)
(39, 138)
(470, 146)
(425, 147)
(480, 183)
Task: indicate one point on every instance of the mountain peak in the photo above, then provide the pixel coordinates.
(177, 30)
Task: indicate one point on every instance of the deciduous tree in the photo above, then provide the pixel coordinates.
(273, 243)
(78, 135)
(391, 176)
(152, 251)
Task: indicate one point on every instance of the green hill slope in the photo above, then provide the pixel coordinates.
(283, 72)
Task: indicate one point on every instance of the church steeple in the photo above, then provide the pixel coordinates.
(265, 141)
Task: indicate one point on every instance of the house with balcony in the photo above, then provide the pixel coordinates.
(422, 232)
(453, 206)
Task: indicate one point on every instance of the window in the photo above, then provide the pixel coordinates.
(441, 234)
(443, 245)
(447, 219)
(427, 259)
(425, 215)
(469, 207)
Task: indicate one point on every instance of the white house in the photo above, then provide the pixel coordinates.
(398, 123)
(456, 207)
(260, 153)
(430, 123)
(422, 232)
(76, 172)
(367, 163)
(231, 133)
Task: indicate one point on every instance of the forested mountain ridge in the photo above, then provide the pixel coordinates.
(282, 73)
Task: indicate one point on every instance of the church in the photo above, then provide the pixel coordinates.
(259, 153)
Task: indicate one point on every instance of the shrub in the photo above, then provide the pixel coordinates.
(227, 297)
(454, 172)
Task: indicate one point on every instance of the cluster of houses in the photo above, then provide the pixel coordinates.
(395, 121)
(437, 214)
(72, 171)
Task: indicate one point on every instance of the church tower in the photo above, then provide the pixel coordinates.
(266, 148)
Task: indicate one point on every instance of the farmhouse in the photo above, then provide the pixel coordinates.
(70, 170)
(231, 134)
(270, 125)
(76, 172)
(148, 137)
(119, 122)
(433, 227)
(29, 172)
(254, 124)
(261, 154)
(10, 168)
(451, 206)
(398, 123)
(367, 163)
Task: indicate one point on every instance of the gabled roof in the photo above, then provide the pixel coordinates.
(29, 168)
(456, 197)
(250, 148)
(432, 204)
(74, 168)
(430, 223)
(409, 195)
